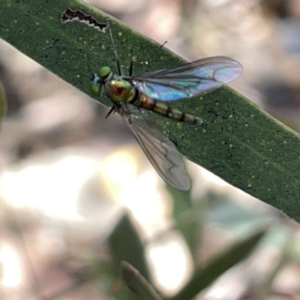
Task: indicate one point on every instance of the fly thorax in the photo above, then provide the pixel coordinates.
(119, 90)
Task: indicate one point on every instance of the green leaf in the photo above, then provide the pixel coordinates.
(3, 104)
(126, 244)
(137, 283)
(188, 217)
(218, 265)
(238, 141)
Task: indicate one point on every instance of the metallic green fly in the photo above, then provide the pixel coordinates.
(131, 94)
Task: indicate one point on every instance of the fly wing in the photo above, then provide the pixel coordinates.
(195, 78)
(159, 149)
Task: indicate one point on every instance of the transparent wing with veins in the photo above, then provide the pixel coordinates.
(159, 149)
(191, 79)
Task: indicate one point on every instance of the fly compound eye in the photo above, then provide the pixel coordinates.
(95, 89)
(104, 72)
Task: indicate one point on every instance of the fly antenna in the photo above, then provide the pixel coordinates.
(114, 48)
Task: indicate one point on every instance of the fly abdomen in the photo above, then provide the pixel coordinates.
(167, 111)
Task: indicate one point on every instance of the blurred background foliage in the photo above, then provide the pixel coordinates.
(78, 195)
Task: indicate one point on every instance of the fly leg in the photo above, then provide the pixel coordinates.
(114, 48)
(133, 61)
(112, 110)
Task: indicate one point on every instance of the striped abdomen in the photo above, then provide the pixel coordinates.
(165, 110)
